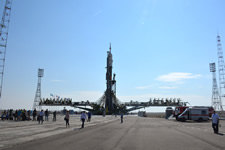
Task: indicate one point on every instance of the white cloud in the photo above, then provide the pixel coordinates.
(177, 77)
(143, 87)
(168, 87)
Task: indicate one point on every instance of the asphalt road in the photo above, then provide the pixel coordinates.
(134, 134)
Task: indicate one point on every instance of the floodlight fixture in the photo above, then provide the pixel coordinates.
(212, 67)
(40, 72)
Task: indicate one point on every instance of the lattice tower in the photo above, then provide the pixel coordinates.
(4, 27)
(38, 91)
(216, 99)
(221, 69)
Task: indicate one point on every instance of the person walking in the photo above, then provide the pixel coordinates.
(28, 115)
(89, 117)
(215, 122)
(41, 114)
(46, 115)
(15, 115)
(83, 118)
(67, 118)
(34, 114)
(121, 117)
(54, 116)
(19, 115)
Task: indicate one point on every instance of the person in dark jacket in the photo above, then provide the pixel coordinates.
(67, 118)
(34, 114)
(54, 116)
(46, 115)
(121, 117)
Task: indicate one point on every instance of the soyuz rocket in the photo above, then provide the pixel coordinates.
(109, 103)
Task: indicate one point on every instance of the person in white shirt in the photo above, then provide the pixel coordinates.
(83, 118)
(215, 122)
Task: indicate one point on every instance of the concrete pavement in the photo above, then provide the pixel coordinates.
(135, 133)
(13, 133)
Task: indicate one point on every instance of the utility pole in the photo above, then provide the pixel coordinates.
(38, 91)
(216, 99)
(4, 27)
(221, 70)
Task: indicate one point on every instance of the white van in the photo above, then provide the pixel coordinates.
(196, 114)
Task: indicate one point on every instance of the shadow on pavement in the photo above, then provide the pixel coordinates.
(221, 134)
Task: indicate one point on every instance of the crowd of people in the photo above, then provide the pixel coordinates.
(22, 115)
(27, 115)
(17, 115)
(54, 101)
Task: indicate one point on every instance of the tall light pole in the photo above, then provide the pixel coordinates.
(38, 91)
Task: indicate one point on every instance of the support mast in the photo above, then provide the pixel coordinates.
(4, 27)
(216, 99)
(221, 70)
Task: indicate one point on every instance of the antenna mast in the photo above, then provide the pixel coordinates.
(216, 99)
(4, 27)
(221, 70)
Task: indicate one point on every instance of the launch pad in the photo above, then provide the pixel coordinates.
(108, 103)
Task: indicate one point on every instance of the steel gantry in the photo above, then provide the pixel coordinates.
(98, 106)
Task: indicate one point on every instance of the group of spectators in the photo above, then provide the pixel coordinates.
(26, 115)
(61, 101)
(40, 116)
(159, 102)
(23, 115)
(17, 115)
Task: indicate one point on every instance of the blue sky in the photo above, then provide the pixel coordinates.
(161, 48)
